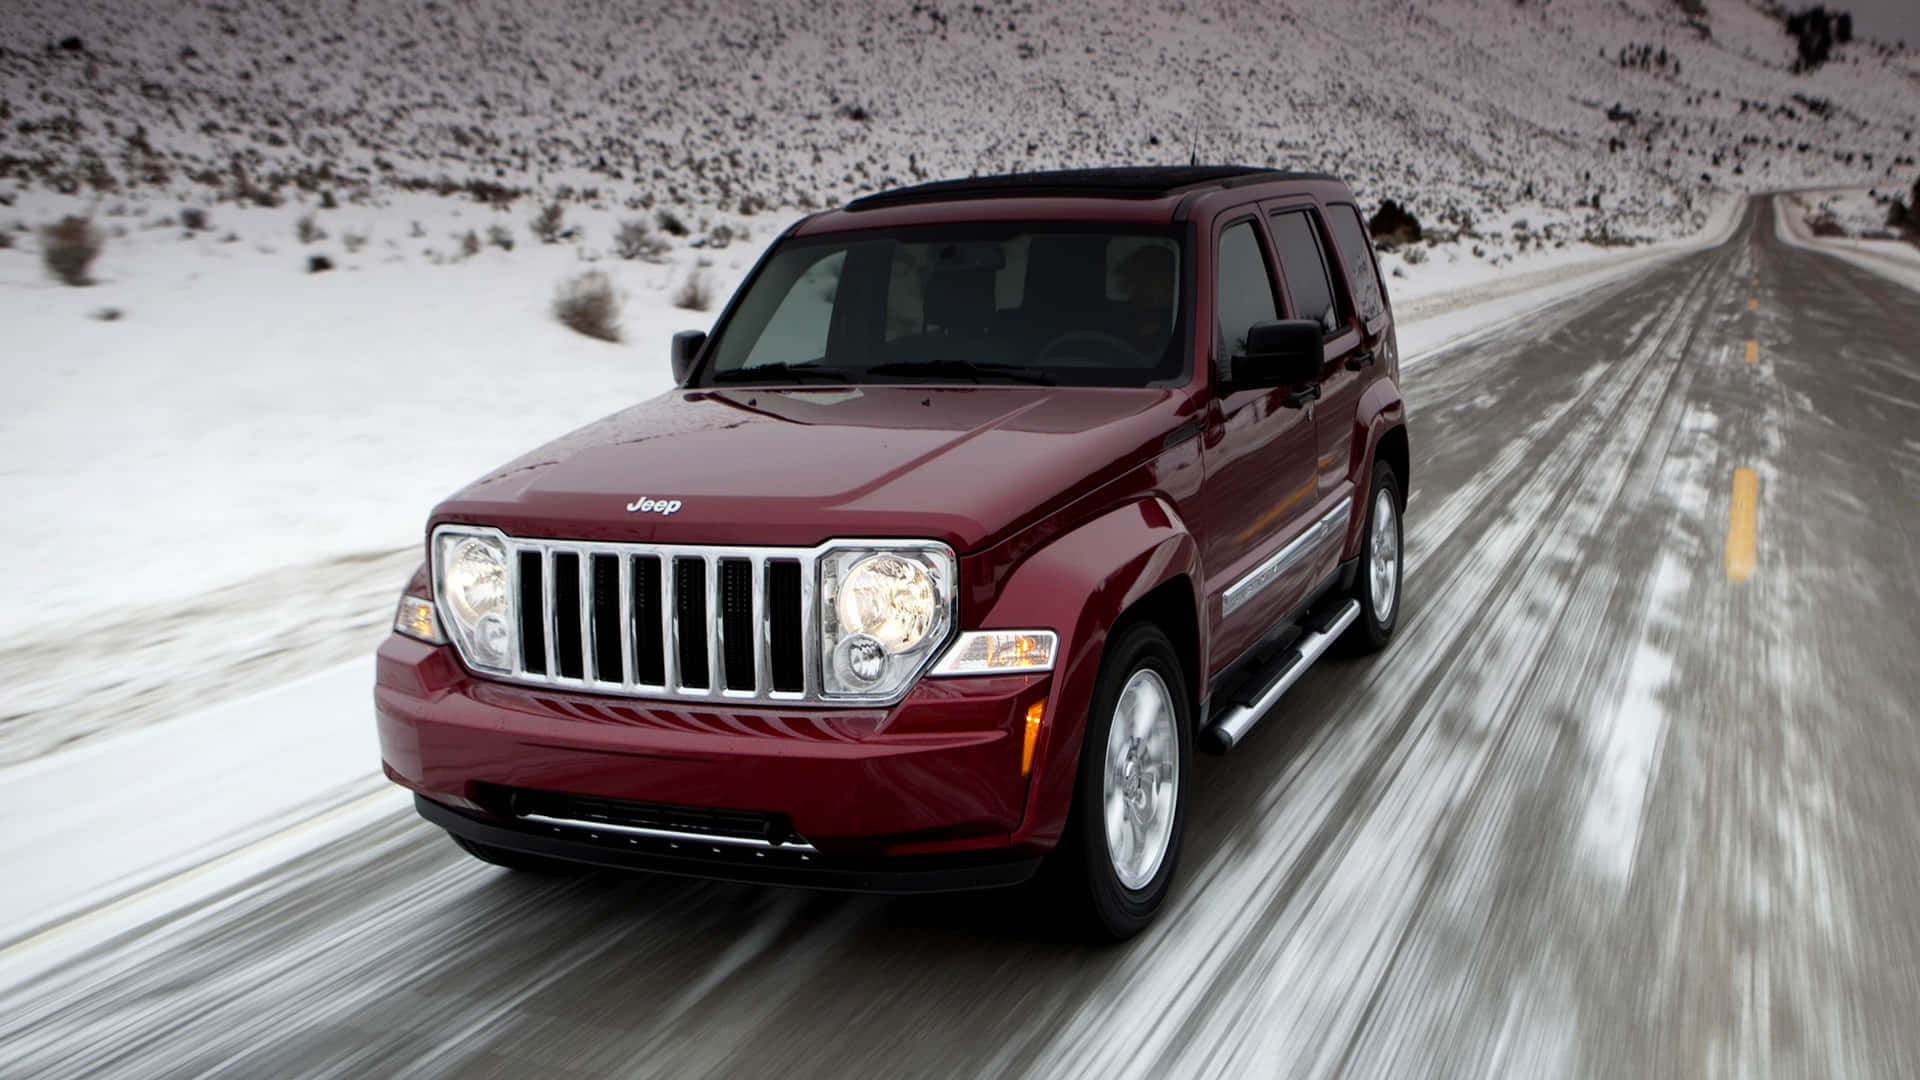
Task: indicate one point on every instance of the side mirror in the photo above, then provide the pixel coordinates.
(1286, 352)
(685, 349)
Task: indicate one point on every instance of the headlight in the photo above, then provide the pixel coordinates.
(471, 574)
(887, 609)
(890, 598)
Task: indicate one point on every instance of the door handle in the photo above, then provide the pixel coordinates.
(1355, 363)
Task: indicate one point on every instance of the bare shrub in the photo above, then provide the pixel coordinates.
(69, 248)
(635, 240)
(549, 223)
(417, 231)
(353, 241)
(670, 222)
(1393, 225)
(307, 231)
(109, 314)
(318, 264)
(6, 240)
(470, 244)
(500, 236)
(587, 304)
(694, 293)
(1415, 255)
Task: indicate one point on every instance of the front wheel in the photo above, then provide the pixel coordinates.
(1379, 583)
(1117, 860)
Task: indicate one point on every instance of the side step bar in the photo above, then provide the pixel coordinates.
(1232, 724)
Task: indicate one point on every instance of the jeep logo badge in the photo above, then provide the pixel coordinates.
(644, 505)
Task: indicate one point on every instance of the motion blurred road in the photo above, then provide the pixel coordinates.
(1636, 792)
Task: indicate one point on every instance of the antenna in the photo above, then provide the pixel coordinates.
(1193, 149)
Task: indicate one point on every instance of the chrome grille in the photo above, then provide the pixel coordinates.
(641, 619)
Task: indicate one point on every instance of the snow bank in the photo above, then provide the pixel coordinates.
(1895, 260)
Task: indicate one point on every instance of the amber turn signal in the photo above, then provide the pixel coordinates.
(416, 619)
(1035, 713)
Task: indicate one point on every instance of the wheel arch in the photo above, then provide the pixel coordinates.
(1174, 607)
(1136, 560)
(1393, 449)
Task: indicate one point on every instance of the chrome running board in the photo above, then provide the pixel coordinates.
(1225, 731)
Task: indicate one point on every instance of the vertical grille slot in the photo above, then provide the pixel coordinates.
(533, 637)
(569, 651)
(736, 623)
(649, 642)
(690, 621)
(608, 665)
(783, 625)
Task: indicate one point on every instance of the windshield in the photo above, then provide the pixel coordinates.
(1024, 303)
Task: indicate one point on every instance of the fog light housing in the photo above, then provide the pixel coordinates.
(860, 660)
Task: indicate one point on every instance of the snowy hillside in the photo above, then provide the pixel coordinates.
(1464, 111)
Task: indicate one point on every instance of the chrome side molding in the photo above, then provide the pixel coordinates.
(1332, 523)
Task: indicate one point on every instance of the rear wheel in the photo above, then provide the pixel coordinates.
(516, 860)
(1379, 583)
(1116, 863)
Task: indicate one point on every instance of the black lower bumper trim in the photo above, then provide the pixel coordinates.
(771, 866)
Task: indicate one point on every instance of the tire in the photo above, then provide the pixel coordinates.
(516, 860)
(1381, 601)
(1104, 895)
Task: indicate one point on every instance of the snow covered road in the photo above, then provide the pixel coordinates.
(1616, 803)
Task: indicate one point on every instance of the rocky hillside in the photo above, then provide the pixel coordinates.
(1613, 118)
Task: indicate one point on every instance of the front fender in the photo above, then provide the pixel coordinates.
(1078, 586)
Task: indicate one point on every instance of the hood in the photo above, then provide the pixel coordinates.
(788, 466)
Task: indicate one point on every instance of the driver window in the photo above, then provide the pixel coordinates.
(1243, 291)
(797, 331)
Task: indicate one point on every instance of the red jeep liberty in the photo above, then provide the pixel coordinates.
(984, 504)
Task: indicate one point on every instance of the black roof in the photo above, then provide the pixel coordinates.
(1125, 182)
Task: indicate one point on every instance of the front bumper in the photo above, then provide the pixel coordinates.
(773, 866)
(937, 774)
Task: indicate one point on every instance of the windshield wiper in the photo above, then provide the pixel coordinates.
(795, 372)
(978, 371)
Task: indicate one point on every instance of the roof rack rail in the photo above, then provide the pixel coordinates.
(1125, 182)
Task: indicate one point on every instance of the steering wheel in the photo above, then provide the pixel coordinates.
(1098, 337)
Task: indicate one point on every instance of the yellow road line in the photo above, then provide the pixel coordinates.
(1742, 522)
(1753, 351)
(1753, 304)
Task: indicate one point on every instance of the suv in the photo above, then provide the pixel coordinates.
(985, 503)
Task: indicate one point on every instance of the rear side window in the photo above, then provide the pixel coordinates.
(1305, 268)
(1351, 238)
(1245, 293)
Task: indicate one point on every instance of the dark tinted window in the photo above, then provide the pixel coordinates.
(1245, 293)
(1351, 238)
(1305, 268)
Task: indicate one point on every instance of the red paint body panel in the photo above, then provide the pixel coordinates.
(941, 770)
(1066, 506)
